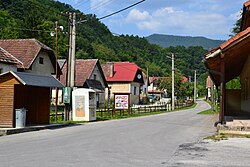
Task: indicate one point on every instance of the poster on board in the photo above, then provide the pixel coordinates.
(121, 101)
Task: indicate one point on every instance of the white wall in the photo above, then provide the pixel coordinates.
(42, 69)
(7, 67)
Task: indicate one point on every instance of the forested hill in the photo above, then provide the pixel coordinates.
(36, 19)
(187, 41)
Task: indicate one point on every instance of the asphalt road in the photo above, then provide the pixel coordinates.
(143, 141)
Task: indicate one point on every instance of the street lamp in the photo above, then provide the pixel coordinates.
(172, 58)
(57, 76)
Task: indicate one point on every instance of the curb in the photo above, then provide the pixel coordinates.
(10, 131)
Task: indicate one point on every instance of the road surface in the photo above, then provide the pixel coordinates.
(140, 142)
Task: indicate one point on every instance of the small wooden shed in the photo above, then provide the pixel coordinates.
(29, 91)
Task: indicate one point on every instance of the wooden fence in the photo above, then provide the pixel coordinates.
(137, 109)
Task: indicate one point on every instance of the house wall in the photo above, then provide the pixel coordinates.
(97, 72)
(126, 88)
(7, 67)
(7, 101)
(42, 69)
(100, 97)
(135, 93)
(245, 87)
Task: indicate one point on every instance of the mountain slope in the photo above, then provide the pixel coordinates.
(171, 40)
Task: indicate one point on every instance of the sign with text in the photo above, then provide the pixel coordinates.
(121, 101)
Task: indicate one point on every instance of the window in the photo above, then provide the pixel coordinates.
(134, 90)
(94, 76)
(40, 60)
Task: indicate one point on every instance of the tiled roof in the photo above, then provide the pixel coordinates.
(83, 68)
(123, 71)
(8, 58)
(240, 35)
(247, 3)
(25, 50)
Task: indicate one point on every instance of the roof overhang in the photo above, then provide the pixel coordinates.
(35, 80)
(235, 52)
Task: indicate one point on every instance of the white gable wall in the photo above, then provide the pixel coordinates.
(42, 69)
(7, 67)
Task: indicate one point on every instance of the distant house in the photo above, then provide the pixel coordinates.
(34, 56)
(88, 74)
(154, 82)
(8, 62)
(228, 61)
(153, 87)
(124, 77)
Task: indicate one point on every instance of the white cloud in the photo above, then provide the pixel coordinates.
(135, 14)
(171, 21)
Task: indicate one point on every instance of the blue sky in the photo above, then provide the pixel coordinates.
(209, 18)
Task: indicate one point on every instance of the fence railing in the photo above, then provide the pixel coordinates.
(136, 109)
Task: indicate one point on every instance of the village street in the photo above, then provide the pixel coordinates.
(155, 140)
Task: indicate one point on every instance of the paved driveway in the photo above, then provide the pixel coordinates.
(144, 141)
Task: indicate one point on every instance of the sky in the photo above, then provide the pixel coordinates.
(213, 19)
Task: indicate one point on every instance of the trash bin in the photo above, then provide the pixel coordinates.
(20, 117)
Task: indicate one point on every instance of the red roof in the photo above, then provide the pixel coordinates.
(25, 50)
(247, 3)
(235, 38)
(8, 58)
(123, 71)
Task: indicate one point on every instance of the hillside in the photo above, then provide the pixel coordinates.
(187, 41)
(36, 19)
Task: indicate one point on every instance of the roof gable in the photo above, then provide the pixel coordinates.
(25, 50)
(8, 58)
(83, 71)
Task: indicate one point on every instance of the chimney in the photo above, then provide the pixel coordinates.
(111, 70)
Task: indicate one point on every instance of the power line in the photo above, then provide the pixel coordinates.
(104, 3)
(121, 10)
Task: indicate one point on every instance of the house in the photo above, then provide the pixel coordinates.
(209, 84)
(25, 90)
(34, 56)
(88, 74)
(228, 61)
(124, 77)
(154, 82)
(8, 62)
(153, 87)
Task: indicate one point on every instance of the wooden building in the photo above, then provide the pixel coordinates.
(25, 90)
(228, 61)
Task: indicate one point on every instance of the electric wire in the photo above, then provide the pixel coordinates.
(121, 10)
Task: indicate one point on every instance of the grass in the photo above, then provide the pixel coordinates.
(118, 115)
(208, 112)
(223, 136)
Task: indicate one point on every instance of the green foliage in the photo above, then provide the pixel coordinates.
(172, 40)
(234, 84)
(36, 19)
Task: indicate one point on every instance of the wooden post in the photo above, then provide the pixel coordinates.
(222, 97)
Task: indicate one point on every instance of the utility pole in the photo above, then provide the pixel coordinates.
(73, 50)
(70, 50)
(56, 106)
(195, 86)
(212, 95)
(173, 81)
